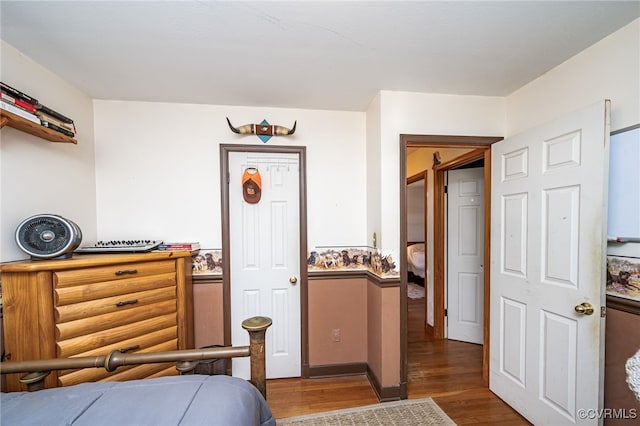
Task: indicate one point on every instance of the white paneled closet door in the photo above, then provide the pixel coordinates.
(265, 259)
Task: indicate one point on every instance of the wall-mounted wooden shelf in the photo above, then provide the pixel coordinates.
(22, 124)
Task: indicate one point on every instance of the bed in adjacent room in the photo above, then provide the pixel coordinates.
(416, 263)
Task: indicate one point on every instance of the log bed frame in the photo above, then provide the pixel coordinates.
(186, 360)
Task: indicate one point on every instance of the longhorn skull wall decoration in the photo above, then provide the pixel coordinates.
(264, 130)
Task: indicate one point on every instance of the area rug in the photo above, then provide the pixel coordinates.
(408, 412)
(414, 291)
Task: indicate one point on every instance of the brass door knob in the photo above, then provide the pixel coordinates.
(293, 280)
(584, 308)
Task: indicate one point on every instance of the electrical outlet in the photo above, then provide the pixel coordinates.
(335, 335)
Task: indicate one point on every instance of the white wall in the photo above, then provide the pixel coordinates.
(422, 114)
(610, 69)
(374, 171)
(158, 169)
(37, 176)
(426, 114)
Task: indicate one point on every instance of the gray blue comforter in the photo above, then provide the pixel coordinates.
(180, 400)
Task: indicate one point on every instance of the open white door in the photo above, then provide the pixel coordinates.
(465, 255)
(548, 245)
(265, 259)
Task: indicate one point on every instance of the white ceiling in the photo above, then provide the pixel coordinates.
(315, 55)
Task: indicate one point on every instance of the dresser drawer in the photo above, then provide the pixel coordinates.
(111, 273)
(72, 377)
(136, 343)
(104, 289)
(88, 342)
(119, 303)
(93, 324)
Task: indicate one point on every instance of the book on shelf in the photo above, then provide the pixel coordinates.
(57, 128)
(18, 111)
(7, 97)
(179, 246)
(17, 103)
(17, 94)
(53, 113)
(25, 105)
(31, 104)
(46, 117)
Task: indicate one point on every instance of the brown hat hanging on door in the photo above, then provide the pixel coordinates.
(251, 185)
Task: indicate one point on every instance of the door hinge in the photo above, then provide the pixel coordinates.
(445, 312)
(228, 178)
(446, 188)
(603, 311)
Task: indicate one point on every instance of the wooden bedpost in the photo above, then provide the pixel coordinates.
(257, 326)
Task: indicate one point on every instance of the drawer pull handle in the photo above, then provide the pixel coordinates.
(126, 302)
(127, 271)
(129, 348)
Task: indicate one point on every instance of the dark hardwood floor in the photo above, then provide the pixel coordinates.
(450, 372)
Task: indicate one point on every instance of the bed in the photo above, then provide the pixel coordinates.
(186, 399)
(416, 262)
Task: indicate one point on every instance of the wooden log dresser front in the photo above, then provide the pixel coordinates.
(93, 304)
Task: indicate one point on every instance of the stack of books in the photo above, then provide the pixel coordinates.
(18, 103)
(179, 246)
(28, 107)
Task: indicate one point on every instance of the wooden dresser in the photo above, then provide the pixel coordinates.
(92, 304)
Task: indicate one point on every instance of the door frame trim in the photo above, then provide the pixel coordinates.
(424, 176)
(225, 149)
(482, 145)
